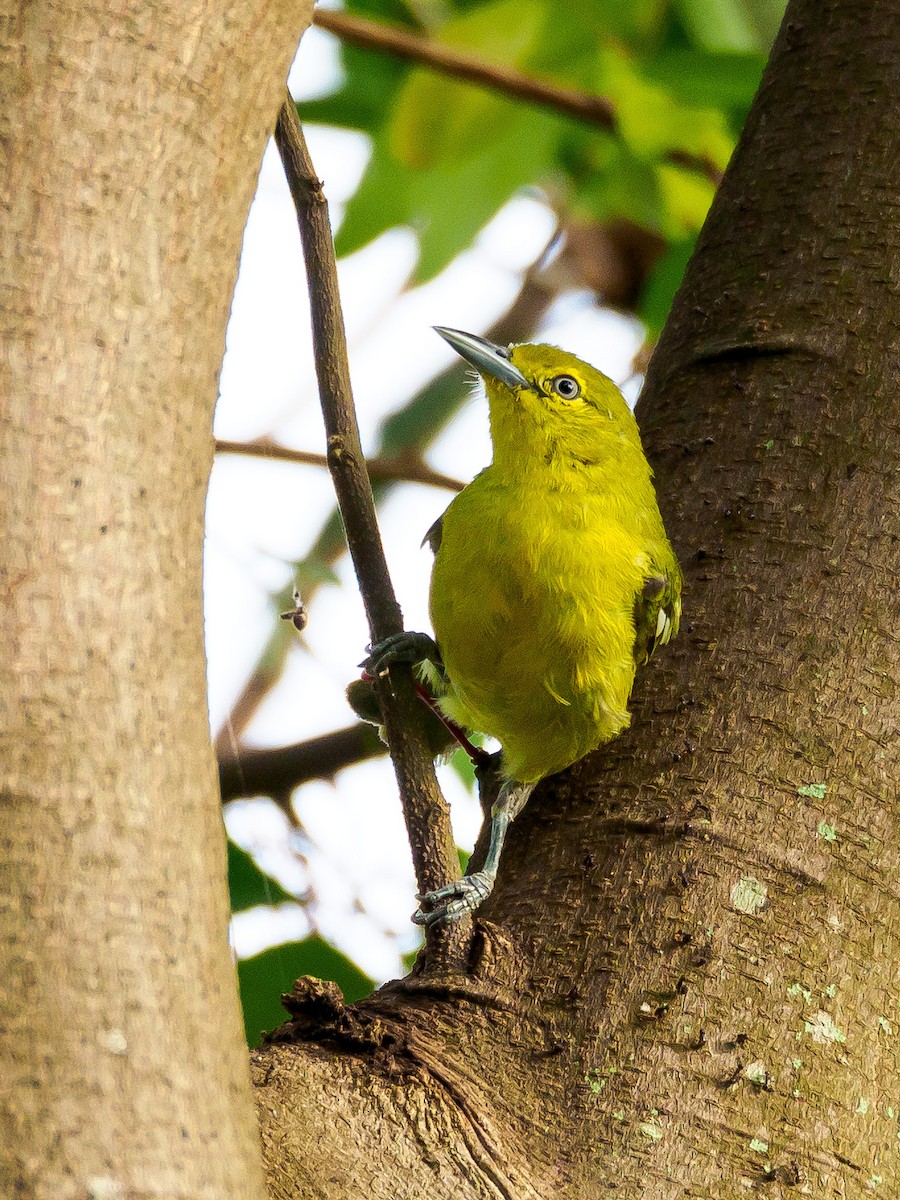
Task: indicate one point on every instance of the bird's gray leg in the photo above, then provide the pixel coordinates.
(464, 895)
(401, 647)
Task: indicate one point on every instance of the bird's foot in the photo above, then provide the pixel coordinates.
(448, 904)
(400, 648)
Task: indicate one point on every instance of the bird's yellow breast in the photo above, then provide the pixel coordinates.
(532, 603)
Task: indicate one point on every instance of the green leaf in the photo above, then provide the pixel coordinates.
(707, 78)
(381, 202)
(452, 154)
(622, 187)
(436, 122)
(635, 21)
(409, 959)
(463, 767)
(664, 281)
(447, 204)
(731, 24)
(686, 197)
(395, 12)
(572, 31)
(366, 95)
(653, 121)
(463, 856)
(454, 204)
(669, 200)
(313, 572)
(441, 121)
(248, 885)
(265, 977)
(502, 31)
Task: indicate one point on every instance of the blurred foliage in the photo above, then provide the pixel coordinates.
(445, 157)
(264, 978)
(248, 885)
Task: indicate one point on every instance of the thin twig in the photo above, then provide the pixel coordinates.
(424, 808)
(276, 771)
(399, 469)
(412, 47)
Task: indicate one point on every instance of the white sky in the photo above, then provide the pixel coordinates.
(355, 868)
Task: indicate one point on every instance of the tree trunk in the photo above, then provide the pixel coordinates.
(685, 981)
(133, 135)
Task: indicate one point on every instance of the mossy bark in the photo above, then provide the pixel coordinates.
(685, 982)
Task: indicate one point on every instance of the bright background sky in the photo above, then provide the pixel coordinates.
(352, 864)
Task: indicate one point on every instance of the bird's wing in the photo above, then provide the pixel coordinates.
(657, 612)
(433, 536)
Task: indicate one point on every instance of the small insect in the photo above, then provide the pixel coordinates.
(298, 616)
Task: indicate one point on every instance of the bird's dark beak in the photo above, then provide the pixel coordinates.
(485, 357)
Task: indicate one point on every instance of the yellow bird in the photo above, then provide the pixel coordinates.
(553, 581)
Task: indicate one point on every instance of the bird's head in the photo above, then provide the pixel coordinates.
(547, 405)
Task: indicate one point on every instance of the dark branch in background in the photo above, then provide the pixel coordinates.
(412, 47)
(372, 35)
(273, 772)
(400, 468)
(424, 808)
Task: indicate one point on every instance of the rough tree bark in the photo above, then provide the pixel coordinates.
(685, 982)
(132, 136)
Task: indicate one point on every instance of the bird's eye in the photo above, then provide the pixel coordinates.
(566, 387)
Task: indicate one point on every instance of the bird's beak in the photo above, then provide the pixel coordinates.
(485, 357)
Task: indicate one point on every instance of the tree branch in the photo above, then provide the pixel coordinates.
(399, 469)
(372, 35)
(268, 772)
(424, 808)
(411, 47)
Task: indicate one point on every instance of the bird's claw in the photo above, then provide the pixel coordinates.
(399, 648)
(455, 900)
